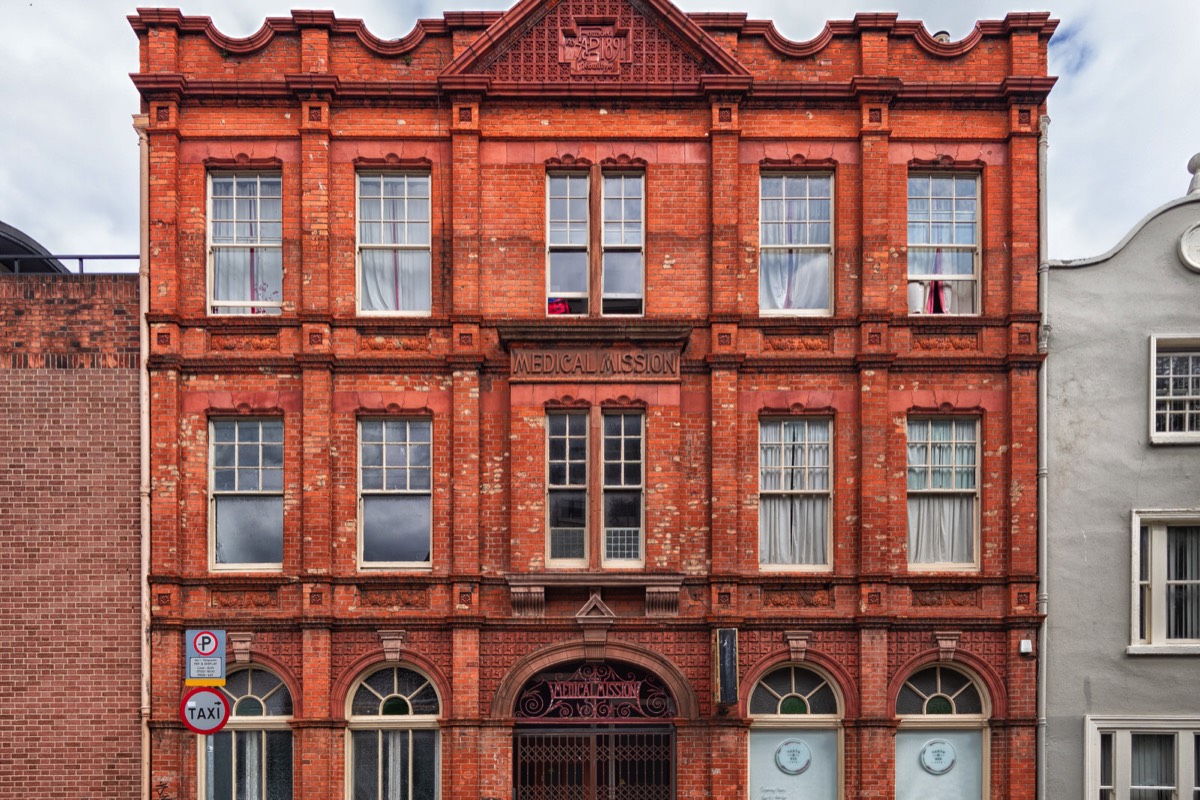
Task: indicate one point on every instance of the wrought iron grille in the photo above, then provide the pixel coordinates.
(594, 763)
(595, 693)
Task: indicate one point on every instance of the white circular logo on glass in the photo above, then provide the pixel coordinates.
(793, 756)
(937, 756)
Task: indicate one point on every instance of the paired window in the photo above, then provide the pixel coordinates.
(246, 492)
(251, 759)
(794, 463)
(1167, 598)
(941, 743)
(245, 243)
(394, 243)
(394, 743)
(943, 494)
(1175, 390)
(795, 748)
(395, 480)
(1143, 758)
(795, 243)
(943, 243)
(585, 259)
(569, 471)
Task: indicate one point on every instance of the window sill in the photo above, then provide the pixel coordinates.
(375, 569)
(528, 589)
(1174, 439)
(796, 569)
(804, 313)
(951, 568)
(226, 569)
(1163, 650)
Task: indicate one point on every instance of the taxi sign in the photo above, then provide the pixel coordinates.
(205, 657)
(204, 710)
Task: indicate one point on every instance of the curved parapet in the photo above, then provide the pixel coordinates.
(932, 44)
(259, 40)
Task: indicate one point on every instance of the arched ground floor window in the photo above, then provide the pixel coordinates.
(796, 735)
(393, 737)
(251, 759)
(942, 741)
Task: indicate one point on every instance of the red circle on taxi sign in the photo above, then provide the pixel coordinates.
(204, 710)
(205, 643)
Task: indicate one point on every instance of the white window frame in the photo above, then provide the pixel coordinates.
(360, 246)
(597, 246)
(626, 224)
(956, 721)
(917, 290)
(803, 722)
(238, 724)
(379, 722)
(1164, 344)
(827, 565)
(1183, 728)
(264, 307)
(552, 247)
(640, 488)
(975, 493)
(214, 496)
(1156, 643)
(807, 222)
(595, 486)
(363, 563)
(570, 486)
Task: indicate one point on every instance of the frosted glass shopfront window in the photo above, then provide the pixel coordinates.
(818, 780)
(929, 778)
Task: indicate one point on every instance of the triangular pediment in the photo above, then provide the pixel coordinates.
(558, 44)
(595, 609)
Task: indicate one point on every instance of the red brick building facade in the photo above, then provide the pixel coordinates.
(69, 611)
(596, 400)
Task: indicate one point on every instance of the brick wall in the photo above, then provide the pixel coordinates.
(320, 112)
(69, 612)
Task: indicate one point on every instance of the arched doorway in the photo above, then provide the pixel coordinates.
(594, 731)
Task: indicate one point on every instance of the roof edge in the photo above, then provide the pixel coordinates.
(1091, 261)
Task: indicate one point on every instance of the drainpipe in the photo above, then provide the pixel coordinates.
(1043, 526)
(140, 123)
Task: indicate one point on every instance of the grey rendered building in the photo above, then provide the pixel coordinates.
(1123, 655)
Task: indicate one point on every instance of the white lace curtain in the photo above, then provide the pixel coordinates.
(941, 529)
(395, 280)
(247, 274)
(794, 458)
(1152, 767)
(793, 280)
(1183, 591)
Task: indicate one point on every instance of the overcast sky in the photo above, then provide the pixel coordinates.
(1125, 113)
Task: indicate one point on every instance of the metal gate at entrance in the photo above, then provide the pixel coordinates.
(594, 731)
(620, 763)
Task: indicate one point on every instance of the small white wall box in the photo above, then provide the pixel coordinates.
(1026, 647)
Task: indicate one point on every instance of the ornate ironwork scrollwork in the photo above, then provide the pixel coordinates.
(595, 693)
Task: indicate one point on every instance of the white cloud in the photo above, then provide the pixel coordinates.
(1125, 116)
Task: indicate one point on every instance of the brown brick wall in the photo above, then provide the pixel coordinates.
(69, 612)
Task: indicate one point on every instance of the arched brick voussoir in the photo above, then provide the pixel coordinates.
(686, 705)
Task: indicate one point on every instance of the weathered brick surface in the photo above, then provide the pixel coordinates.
(875, 99)
(69, 612)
